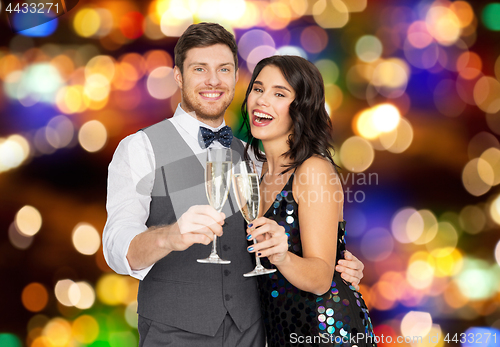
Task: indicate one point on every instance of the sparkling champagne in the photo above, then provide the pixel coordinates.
(218, 181)
(246, 187)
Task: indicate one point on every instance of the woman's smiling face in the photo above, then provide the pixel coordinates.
(269, 105)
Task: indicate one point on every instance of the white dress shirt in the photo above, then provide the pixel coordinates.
(128, 203)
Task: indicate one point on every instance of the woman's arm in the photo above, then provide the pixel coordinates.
(317, 190)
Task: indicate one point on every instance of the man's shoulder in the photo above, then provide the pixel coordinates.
(157, 125)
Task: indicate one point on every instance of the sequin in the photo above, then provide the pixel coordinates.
(287, 310)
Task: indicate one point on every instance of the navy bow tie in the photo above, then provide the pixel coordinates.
(224, 136)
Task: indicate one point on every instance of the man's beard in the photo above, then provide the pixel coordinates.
(203, 112)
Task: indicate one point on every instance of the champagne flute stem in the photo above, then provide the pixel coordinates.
(257, 259)
(214, 246)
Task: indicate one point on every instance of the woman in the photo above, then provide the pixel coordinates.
(305, 302)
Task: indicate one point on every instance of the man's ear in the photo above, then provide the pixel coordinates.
(178, 76)
(237, 75)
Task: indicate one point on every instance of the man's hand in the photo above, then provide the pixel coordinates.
(351, 269)
(199, 224)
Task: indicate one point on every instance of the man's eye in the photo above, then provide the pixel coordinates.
(198, 69)
(224, 69)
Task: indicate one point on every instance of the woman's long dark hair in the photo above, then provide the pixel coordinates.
(312, 127)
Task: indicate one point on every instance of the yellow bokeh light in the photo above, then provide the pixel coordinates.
(175, 21)
(495, 210)
(445, 241)
(12, 154)
(61, 291)
(385, 117)
(391, 73)
(416, 323)
(96, 87)
(406, 228)
(364, 124)
(472, 219)
(81, 295)
(86, 239)
(103, 65)
(420, 274)
(356, 154)
(58, 332)
(487, 94)
(87, 22)
(492, 157)
(474, 175)
(430, 226)
(92, 136)
(85, 329)
(464, 12)
(330, 14)
(447, 263)
(369, 48)
(443, 24)
(28, 220)
(112, 289)
(277, 15)
(131, 314)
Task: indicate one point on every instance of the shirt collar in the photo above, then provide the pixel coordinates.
(190, 124)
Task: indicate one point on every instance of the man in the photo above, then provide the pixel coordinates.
(159, 222)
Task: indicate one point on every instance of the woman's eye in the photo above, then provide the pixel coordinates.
(280, 95)
(258, 90)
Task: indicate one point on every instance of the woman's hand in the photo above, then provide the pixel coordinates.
(272, 240)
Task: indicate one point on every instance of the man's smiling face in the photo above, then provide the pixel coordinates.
(207, 82)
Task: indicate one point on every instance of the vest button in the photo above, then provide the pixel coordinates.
(226, 248)
(227, 272)
(228, 297)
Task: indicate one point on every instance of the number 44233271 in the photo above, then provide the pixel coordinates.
(33, 7)
(471, 338)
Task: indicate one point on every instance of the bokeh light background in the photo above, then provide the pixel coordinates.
(413, 88)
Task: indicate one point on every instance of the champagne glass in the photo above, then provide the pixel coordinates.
(217, 183)
(246, 187)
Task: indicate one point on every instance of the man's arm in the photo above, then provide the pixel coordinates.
(129, 246)
(351, 269)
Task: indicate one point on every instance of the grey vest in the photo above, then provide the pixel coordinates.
(179, 291)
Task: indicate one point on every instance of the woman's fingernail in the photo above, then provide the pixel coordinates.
(249, 236)
(250, 225)
(250, 249)
(259, 254)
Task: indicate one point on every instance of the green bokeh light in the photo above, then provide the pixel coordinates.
(9, 340)
(491, 16)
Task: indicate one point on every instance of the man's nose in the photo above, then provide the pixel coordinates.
(213, 79)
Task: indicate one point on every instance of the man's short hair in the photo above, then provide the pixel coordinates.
(204, 35)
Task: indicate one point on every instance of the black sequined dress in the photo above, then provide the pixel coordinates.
(293, 317)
